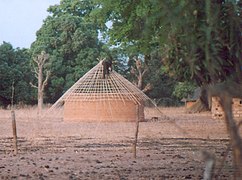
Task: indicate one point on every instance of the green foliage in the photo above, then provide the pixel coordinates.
(14, 74)
(162, 84)
(183, 89)
(134, 33)
(201, 46)
(178, 40)
(71, 38)
(199, 40)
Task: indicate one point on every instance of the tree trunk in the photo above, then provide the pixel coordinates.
(226, 91)
(197, 107)
(226, 103)
(203, 103)
(40, 102)
(40, 90)
(141, 72)
(40, 61)
(140, 81)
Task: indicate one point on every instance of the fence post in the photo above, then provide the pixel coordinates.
(136, 131)
(15, 145)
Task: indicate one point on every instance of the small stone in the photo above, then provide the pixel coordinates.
(188, 177)
(97, 161)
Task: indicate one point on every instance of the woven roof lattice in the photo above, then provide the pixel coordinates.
(94, 87)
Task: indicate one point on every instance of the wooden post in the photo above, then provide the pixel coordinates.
(15, 146)
(136, 133)
(136, 137)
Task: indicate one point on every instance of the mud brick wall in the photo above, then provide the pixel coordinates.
(105, 110)
(217, 112)
(190, 104)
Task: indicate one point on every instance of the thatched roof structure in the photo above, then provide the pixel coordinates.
(114, 92)
(93, 87)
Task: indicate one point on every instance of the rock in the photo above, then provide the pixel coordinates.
(188, 177)
(97, 161)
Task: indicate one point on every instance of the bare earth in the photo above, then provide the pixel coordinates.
(167, 148)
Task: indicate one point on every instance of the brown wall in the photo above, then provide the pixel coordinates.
(105, 110)
(190, 104)
(217, 112)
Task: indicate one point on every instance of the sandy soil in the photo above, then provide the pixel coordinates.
(169, 148)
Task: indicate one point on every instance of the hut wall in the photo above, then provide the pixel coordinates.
(217, 112)
(105, 110)
(190, 103)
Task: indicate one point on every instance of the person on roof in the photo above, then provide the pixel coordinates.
(107, 66)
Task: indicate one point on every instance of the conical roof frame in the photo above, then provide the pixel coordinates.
(93, 87)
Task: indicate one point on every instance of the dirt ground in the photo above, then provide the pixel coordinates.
(169, 148)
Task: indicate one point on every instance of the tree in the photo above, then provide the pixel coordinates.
(138, 71)
(14, 72)
(196, 44)
(183, 89)
(71, 40)
(201, 41)
(41, 70)
(131, 34)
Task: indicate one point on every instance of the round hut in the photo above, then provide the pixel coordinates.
(102, 97)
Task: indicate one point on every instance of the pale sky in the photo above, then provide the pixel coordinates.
(20, 19)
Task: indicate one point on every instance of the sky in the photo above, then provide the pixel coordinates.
(20, 19)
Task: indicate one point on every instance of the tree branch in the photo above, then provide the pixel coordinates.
(36, 61)
(32, 85)
(143, 73)
(36, 72)
(46, 79)
(132, 71)
(148, 87)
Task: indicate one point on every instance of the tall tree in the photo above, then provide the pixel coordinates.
(71, 40)
(42, 73)
(198, 40)
(139, 71)
(14, 72)
(133, 31)
(201, 41)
